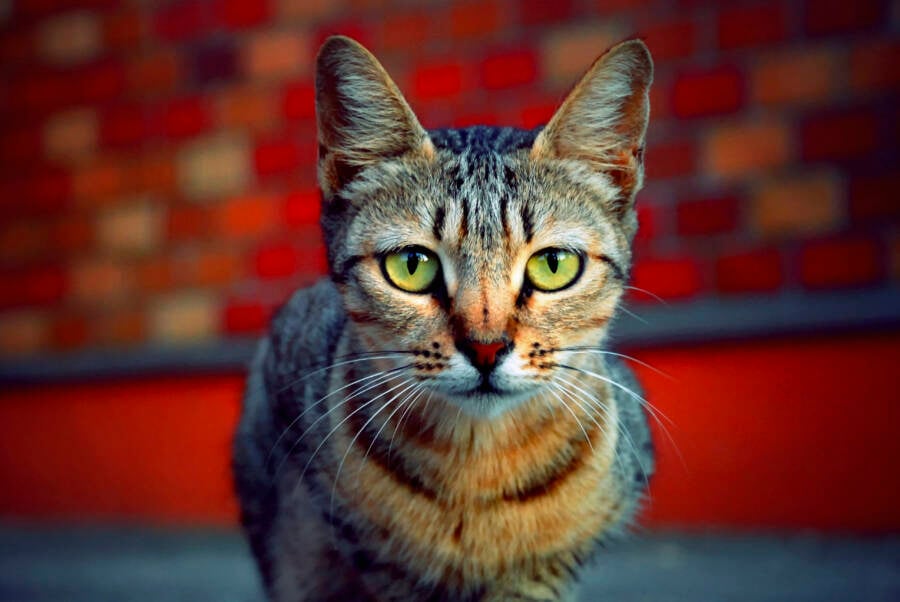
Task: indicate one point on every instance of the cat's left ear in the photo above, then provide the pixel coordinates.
(362, 117)
(603, 121)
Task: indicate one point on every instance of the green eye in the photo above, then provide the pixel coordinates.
(413, 269)
(553, 269)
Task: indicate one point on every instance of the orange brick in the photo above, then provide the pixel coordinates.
(277, 55)
(99, 282)
(99, 180)
(215, 267)
(154, 73)
(214, 167)
(802, 205)
(306, 11)
(155, 274)
(125, 326)
(23, 332)
(567, 52)
(247, 217)
(184, 318)
(247, 107)
(155, 173)
(735, 150)
(405, 30)
(873, 66)
(134, 227)
(796, 77)
(70, 38)
(71, 135)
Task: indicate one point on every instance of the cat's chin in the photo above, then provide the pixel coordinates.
(481, 403)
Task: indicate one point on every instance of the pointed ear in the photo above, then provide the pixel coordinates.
(603, 120)
(362, 118)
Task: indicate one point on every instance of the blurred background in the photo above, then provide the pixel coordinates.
(158, 201)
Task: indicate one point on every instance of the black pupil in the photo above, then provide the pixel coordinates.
(552, 261)
(412, 262)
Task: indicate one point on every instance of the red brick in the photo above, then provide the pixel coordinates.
(44, 189)
(17, 47)
(509, 69)
(438, 80)
(154, 171)
(122, 31)
(215, 267)
(474, 19)
(839, 135)
(838, 16)
(748, 26)
(154, 73)
(101, 82)
(71, 234)
(875, 197)
(240, 14)
(714, 91)
(186, 117)
(276, 261)
(873, 66)
(245, 317)
(670, 39)
(542, 12)
(709, 215)
(755, 271)
(842, 262)
(21, 144)
(405, 30)
(276, 156)
(32, 286)
(675, 277)
(100, 180)
(124, 125)
(187, 222)
(156, 274)
(123, 326)
(797, 76)
(22, 241)
(69, 331)
(299, 101)
(533, 115)
(302, 208)
(181, 20)
(352, 28)
(614, 7)
(670, 159)
(465, 118)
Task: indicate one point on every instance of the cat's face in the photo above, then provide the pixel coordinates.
(484, 255)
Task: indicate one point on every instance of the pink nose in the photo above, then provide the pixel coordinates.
(486, 353)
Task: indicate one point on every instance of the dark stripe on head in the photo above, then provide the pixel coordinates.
(617, 271)
(527, 222)
(341, 272)
(437, 226)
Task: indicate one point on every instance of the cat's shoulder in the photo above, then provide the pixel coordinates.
(313, 317)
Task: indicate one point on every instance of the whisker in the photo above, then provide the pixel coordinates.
(406, 413)
(581, 426)
(648, 293)
(389, 376)
(320, 400)
(335, 365)
(627, 311)
(602, 351)
(619, 427)
(337, 475)
(413, 394)
(653, 410)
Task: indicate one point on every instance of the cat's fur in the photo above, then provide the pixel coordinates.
(425, 483)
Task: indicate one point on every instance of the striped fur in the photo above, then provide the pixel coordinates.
(373, 460)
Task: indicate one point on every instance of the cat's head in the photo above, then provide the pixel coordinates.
(483, 253)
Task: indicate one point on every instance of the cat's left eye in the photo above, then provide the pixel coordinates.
(413, 269)
(553, 269)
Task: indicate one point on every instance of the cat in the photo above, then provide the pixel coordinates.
(438, 420)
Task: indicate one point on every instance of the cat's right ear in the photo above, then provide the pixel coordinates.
(362, 117)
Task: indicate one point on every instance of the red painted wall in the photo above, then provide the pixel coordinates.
(770, 434)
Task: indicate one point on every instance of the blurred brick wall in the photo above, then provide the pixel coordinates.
(157, 178)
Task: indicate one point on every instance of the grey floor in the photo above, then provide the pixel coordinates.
(150, 565)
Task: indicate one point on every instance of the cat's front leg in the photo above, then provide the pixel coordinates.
(530, 590)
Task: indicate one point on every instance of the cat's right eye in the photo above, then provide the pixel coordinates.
(413, 269)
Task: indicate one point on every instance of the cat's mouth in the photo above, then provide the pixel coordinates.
(486, 386)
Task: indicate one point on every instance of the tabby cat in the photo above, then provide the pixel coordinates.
(438, 420)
